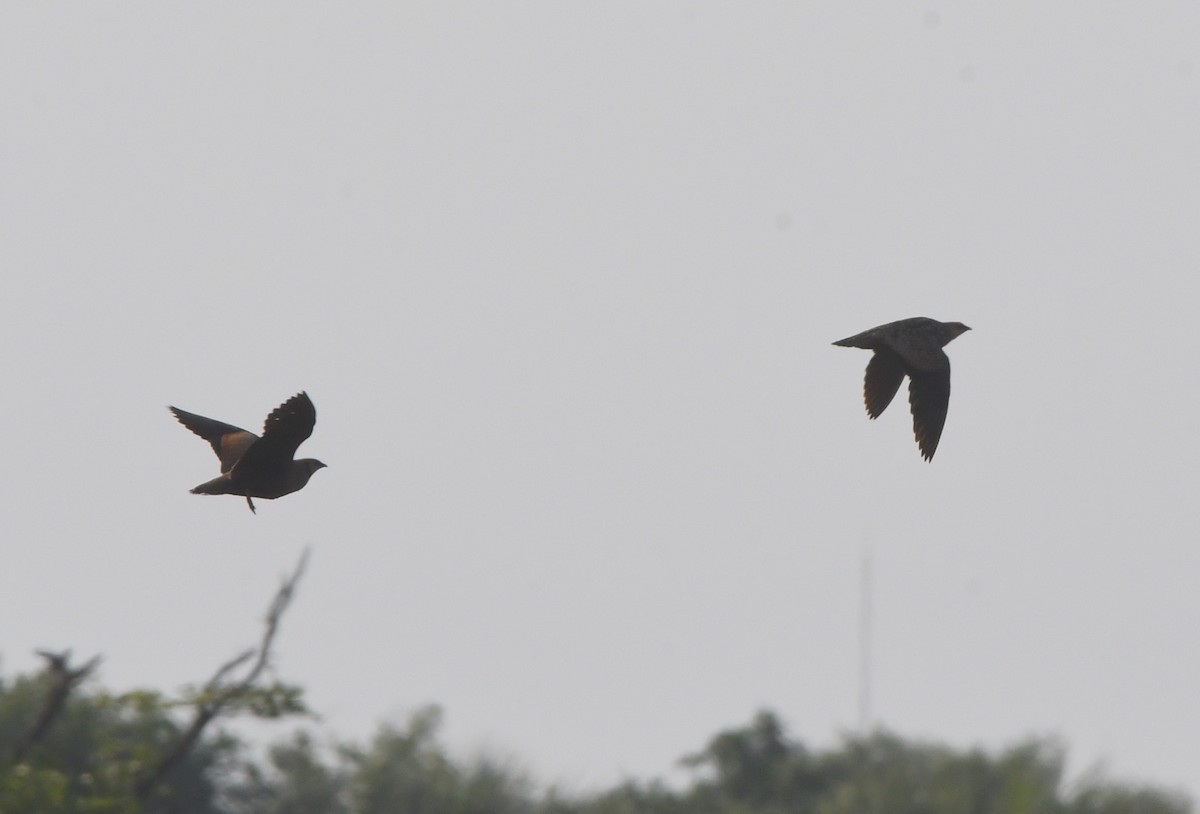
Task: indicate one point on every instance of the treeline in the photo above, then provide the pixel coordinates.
(68, 746)
(96, 753)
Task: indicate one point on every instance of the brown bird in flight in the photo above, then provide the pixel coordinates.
(258, 467)
(913, 348)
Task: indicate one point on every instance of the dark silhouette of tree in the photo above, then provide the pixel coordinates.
(227, 691)
(296, 781)
(97, 752)
(62, 680)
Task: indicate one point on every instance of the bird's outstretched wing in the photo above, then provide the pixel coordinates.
(286, 428)
(229, 442)
(885, 371)
(929, 397)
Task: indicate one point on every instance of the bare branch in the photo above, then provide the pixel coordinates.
(221, 690)
(63, 680)
(228, 667)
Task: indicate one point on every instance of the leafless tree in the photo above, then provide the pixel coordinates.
(226, 687)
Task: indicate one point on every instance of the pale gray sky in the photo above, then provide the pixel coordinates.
(562, 280)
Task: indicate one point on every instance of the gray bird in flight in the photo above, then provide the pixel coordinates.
(913, 348)
(258, 467)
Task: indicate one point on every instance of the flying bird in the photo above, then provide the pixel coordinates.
(258, 467)
(913, 348)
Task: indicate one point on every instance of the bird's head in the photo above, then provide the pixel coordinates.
(308, 466)
(950, 330)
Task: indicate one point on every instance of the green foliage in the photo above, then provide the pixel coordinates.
(270, 701)
(407, 770)
(1109, 798)
(403, 769)
(758, 770)
(298, 781)
(25, 788)
(91, 759)
(88, 759)
(880, 772)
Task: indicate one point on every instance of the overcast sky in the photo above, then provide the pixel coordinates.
(562, 279)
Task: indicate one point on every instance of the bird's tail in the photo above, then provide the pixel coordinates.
(862, 340)
(216, 486)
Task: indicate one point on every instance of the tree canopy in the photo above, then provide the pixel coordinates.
(68, 746)
(92, 758)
